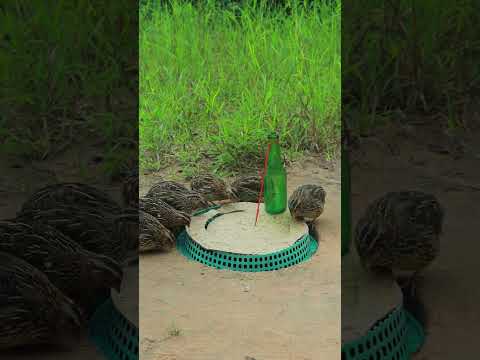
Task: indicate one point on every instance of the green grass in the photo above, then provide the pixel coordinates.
(65, 76)
(417, 57)
(213, 85)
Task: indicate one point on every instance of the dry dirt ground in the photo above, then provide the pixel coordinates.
(189, 311)
(428, 160)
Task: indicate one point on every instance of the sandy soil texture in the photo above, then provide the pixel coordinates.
(427, 159)
(189, 311)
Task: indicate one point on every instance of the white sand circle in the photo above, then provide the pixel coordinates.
(237, 233)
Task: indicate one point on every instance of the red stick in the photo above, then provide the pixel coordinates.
(262, 184)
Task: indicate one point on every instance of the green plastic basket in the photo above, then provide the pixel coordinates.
(300, 251)
(396, 337)
(113, 334)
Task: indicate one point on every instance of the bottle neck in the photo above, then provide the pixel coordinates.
(275, 155)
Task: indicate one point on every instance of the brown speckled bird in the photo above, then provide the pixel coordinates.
(400, 233)
(83, 276)
(153, 235)
(130, 189)
(307, 202)
(187, 201)
(32, 310)
(82, 212)
(167, 185)
(166, 214)
(211, 187)
(71, 194)
(91, 228)
(246, 189)
(126, 232)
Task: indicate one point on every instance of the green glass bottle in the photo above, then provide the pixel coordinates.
(275, 182)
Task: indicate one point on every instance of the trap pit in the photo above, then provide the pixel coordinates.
(225, 237)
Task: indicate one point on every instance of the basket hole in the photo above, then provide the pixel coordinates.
(384, 351)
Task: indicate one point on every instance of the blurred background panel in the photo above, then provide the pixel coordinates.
(69, 155)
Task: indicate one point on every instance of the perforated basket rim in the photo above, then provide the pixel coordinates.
(300, 251)
(116, 337)
(396, 337)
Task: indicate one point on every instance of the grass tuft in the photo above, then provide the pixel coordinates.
(404, 59)
(67, 69)
(214, 81)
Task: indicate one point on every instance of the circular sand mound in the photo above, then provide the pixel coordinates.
(235, 230)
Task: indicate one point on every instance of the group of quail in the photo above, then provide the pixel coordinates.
(167, 207)
(59, 259)
(68, 245)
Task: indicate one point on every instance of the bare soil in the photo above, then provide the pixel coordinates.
(425, 158)
(189, 311)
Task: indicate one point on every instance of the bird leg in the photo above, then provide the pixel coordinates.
(412, 302)
(311, 229)
(414, 280)
(408, 284)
